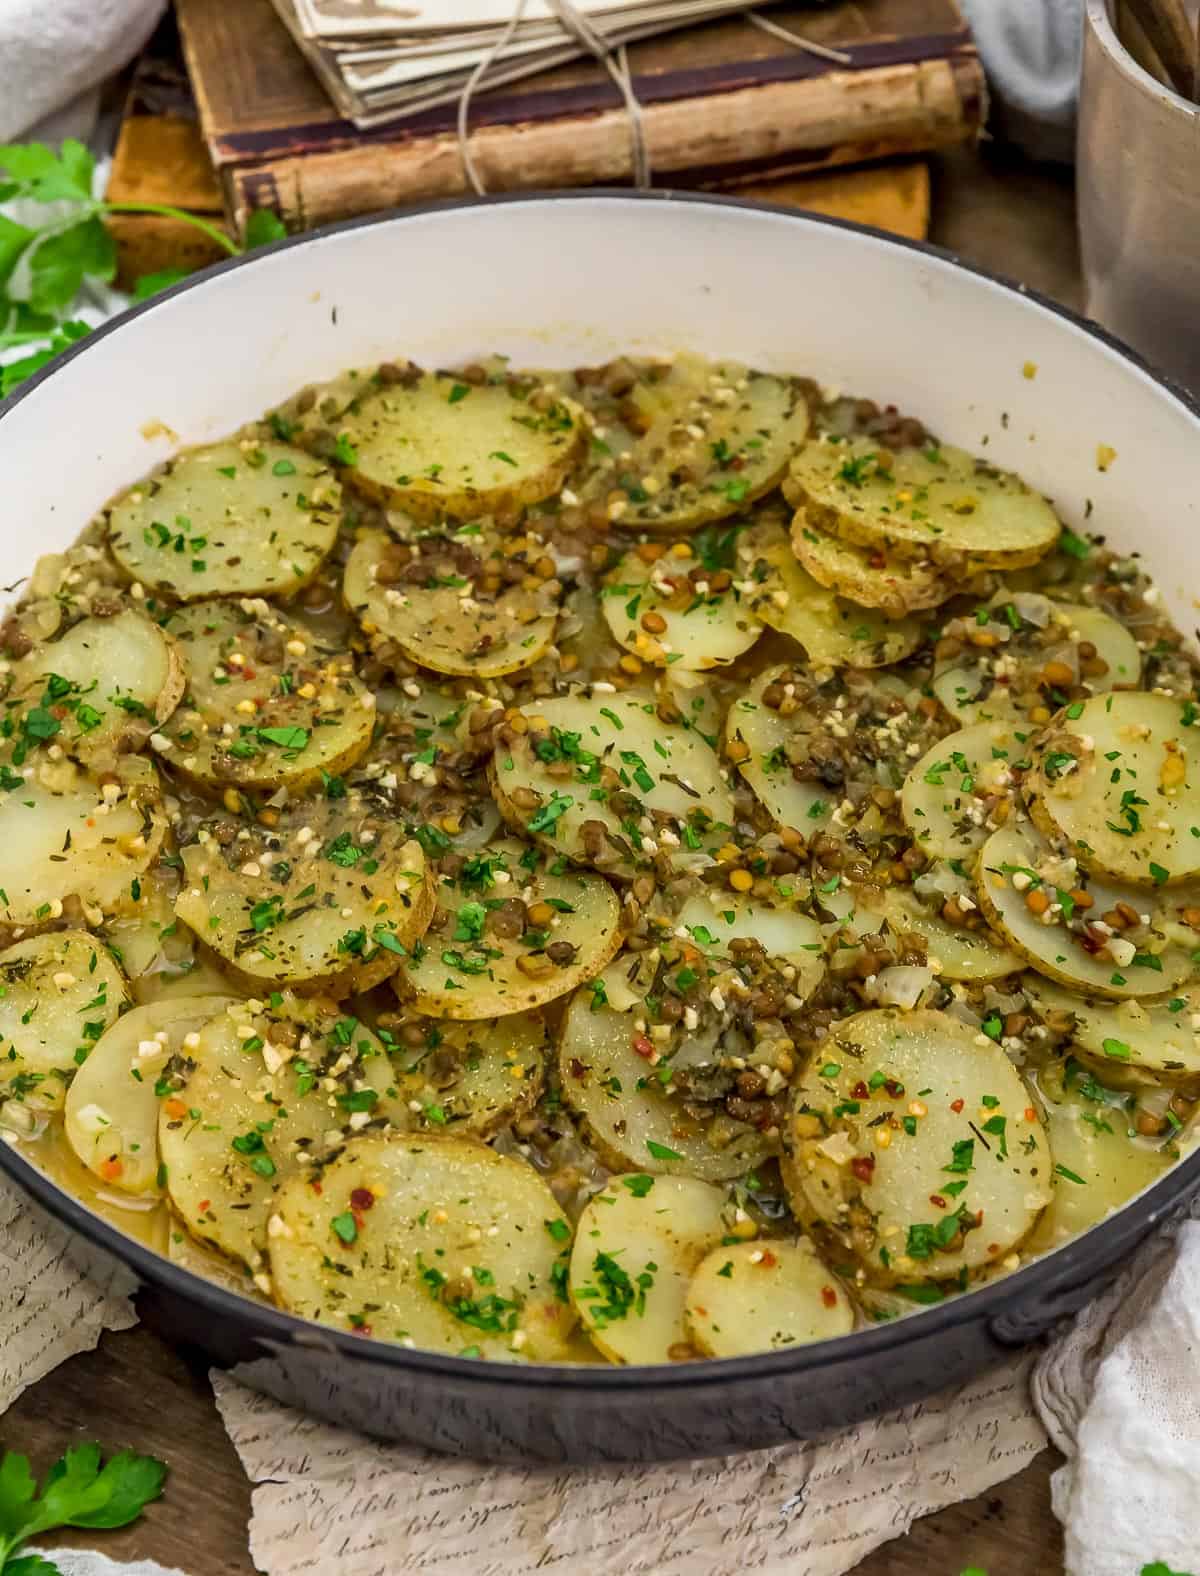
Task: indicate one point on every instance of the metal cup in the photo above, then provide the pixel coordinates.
(1139, 203)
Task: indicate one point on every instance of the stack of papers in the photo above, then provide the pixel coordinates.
(381, 60)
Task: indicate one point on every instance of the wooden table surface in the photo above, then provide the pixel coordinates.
(136, 1391)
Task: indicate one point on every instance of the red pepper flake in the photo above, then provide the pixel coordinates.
(249, 673)
(204, 1205)
(361, 1198)
(829, 1296)
(768, 1260)
(1030, 1114)
(316, 1187)
(860, 1091)
(894, 1088)
(863, 1167)
(360, 1329)
(937, 1201)
(956, 1105)
(359, 1222)
(643, 1046)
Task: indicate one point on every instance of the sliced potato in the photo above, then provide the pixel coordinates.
(1154, 1036)
(636, 1118)
(834, 632)
(257, 1097)
(435, 1242)
(636, 1249)
(764, 1296)
(673, 609)
(1119, 777)
(330, 898)
(897, 586)
(912, 502)
(1100, 1164)
(59, 992)
(781, 929)
(109, 680)
(1008, 664)
(951, 794)
(228, 520)
(508, 935)
(440, 453)
(112, 1110)
(800, 742)
(65, 835)
(270, 703)
(712, 444)
(666, 771)
(1014, 863)
(470, 1079)
(967, 950)
(437, 599)
(896, 1206)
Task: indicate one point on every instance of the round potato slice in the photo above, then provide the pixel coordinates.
(66, 835)
(1008, 664)
(1155, 1037)
(636, 1249)
(897, 1206)
(331, 898)
(914, 502)
(799, 742)
(59, 992)
(508, 935)
(1118, 776)
(441, 603)
(640, 1109)
(1027, 893)
(1100, 1164)
(470, 1079)
(434, 1242)
(834, 632)
(711, 446)
(964, 950)
(674, 609)
(112, 1108)
(763, 1296)
(951, 795)
(228, 520)
(108, 681)
(256, 1097)
(442, 448)
(872, 578)
(637, 785)
(270, 703)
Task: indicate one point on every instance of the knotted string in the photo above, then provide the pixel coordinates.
(615, 60)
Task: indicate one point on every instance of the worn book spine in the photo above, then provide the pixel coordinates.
(725, 140)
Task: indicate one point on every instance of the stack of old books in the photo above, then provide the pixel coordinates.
(723, 104)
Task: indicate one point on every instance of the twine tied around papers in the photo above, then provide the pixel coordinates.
(615, 60)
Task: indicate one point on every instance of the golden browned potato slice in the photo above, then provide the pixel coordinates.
(916, 1187)
(763, 1296)
(112, 1107)
(714, 440)
(1031, 898)
(509, 935)
(871, 577)
(107, 681)
(59, 992)
(834, 632)
(439, 1243)
(270, 702)
(636, 785)
(951, 795)
(442, 601)
(1118, 777)
(257, 1097)
(332, 898)
(915, 502)
(965, 949)
(67, 835)
(442, 448)
(997, 662)
(671, 608)
(637, 1247)
(232, 519)
(470, 1079)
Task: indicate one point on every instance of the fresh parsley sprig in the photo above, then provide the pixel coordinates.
(79, 1491)
(43, 268)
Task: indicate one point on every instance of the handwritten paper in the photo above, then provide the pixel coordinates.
(329, 1502)
(50, 1308)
